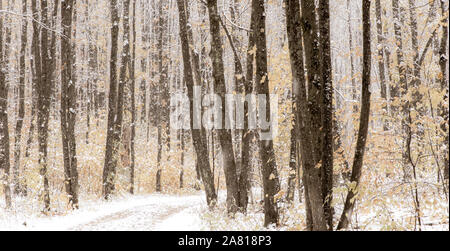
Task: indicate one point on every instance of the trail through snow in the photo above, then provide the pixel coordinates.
(137, 213)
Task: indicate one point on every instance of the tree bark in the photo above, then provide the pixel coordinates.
(133, 101)
(443, 59)
(364, 121)
(44, 95)
(109, 170)
(381, 50)
(247, 134)
(293, 23)
(271, 181)
(311, 115)
(18, 180)
(225, 137)
(68, 105)
(4, 129)
(199, 139)
(327, 111)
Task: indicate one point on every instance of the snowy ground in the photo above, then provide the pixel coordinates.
(149, 212)
(181, 212)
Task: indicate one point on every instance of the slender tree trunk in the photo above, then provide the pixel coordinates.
(271, 181)
(182, 158)
(199, 139)
(109, 170)
(44, 96)
(443, 59)
(327, 111)
(395, 88)
(225, 137)
(4, 129)
(162, 88)
(364, 121)
(293, 22)
(352, 53)
(381, 50)
(68, 105)
(18, 181)
(247, 134)
(133, 101)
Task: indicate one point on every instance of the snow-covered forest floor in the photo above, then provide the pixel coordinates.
(188, 212)
(126, 213)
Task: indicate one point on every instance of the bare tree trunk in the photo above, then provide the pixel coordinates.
(247, 134)
(162, 88)
(109, 170)
(399, 51)
(199, 139)
(4, 130)
(133, 101)
(18, 181)
(310, 114)
(293, 23)
(44, 95)
(443, 59)
(225, 137)
(327, 111)
(182, 136)
(352, 52)
(68, 105)
(364, 121)
(381, 50)
(271, 181)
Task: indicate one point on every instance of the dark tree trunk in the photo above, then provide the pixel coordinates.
(44, 95)
(68, 105)
(18, 180)
(443, 59)
(247, 134)
(327, 111)
(310, 113)
(133, 101)
(161, 89)
(4, 130)
(364, 120)
(109, 170)
(225, 137)
(293, 23)
(271, 181)
(199, 139)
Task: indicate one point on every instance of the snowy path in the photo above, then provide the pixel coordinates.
(139, 213)
(152, 216)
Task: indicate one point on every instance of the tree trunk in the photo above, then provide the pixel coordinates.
(4, 130)
(327, 111)
(225, 137)
(109, 170)
(293, 23)
(310, 113)
(364, 121)
(247, 134)
(199, 139)
(443, 59)
(133, 101)
(381, 50)
(44, 95)
(18, 181)
(162, 88)
(68, 105)
(271, 181)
